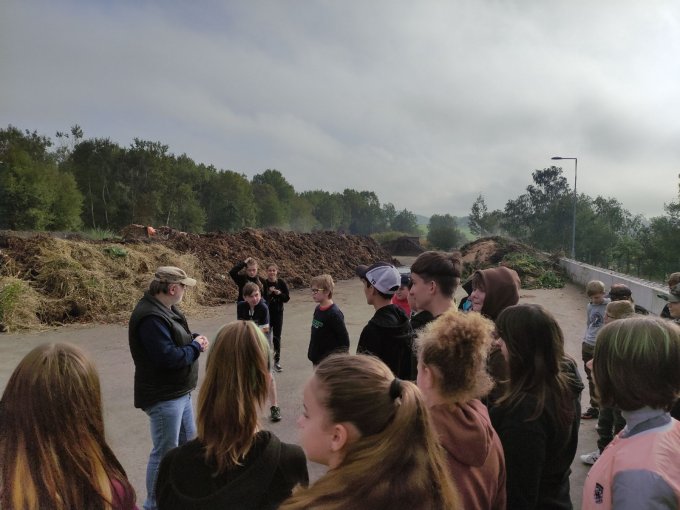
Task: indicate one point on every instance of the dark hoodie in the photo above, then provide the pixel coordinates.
(388, 336)
(501, 285)
(474, 453)
(264, 479)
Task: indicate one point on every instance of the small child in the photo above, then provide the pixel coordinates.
(240, 279)
(636, 369)
(609, 422)
(400, 297)
(254, 309)
(276, 294)
(329, 333)
(595, 313)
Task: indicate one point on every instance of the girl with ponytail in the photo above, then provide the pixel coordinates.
(374, 434)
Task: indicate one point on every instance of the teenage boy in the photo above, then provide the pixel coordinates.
(254, 309)
(240, 279)
(434, 278)
(595, 313)
(621, 292)
(388, 334)
(329, 333)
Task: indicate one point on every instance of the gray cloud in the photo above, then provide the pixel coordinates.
(428, 103)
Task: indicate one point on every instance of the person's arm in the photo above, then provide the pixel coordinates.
(242, 311)
(337, 324)
(524, 445)
(234, 272)
(368, 342)
(636, 489)
(156, 340)
(285, 293)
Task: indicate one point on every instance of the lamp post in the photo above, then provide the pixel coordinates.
(573, 220)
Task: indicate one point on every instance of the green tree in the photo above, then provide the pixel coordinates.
(443, 233)
(270, 211)
(328, 209)
(34, 193)
(365, 212)
(228, 201)
(284, 191)
(405, 221)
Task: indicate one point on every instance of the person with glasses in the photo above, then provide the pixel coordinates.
(329, 333)
(165, 353)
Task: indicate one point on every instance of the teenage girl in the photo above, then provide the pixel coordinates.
(373, 432)
(232, 463)
(53, 453)
(538, 415)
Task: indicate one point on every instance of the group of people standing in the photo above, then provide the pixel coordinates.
(439, 408)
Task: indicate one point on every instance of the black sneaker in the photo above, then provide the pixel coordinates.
(278, 367)
(275, 413)
(591, 414)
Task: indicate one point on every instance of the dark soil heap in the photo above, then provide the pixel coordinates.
(537, 270)
(46, 280)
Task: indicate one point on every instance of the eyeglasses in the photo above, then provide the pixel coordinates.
(315, 291)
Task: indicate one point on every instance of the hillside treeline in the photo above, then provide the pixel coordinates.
(97, 184)
(607, 235)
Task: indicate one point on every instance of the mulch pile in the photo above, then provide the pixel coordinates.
(535, 269)
(47, 280)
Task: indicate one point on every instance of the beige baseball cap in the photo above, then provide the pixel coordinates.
(171, 274)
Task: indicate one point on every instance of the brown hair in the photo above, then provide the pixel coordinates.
(673, 279)
(233, 392)
(250, 288)
(397, 462)
(456, 346)
(620, 309)
(325, 282)
(53, 453)
(535, 345)
(635, 363)
(442, 268)
(156, 287)
(272, 264)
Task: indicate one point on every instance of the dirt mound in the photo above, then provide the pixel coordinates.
(46, 280)
(536, 269)
(404, 246)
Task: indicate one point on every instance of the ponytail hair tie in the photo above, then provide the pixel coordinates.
(395, 388)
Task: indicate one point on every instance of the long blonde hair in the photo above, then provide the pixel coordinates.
(397, 462)
(53, 453)
(233, 392)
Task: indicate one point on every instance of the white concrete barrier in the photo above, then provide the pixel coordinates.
(644, 291)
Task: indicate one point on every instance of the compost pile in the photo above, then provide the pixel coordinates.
(537, 270)
(47, 280)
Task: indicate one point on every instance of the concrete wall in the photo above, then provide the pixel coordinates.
(644, 291)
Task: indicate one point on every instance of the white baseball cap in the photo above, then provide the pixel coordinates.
(381, 275)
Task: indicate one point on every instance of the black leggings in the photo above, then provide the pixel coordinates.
(276, 323)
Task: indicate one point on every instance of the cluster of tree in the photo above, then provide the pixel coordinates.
(607, 235)
(97, 184)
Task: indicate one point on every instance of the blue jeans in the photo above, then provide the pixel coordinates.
(172, 424)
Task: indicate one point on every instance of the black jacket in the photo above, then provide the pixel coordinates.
(274, 301)
(388, 336)
(240, 279)
(153, 382)
(539, 452)
(264, 479)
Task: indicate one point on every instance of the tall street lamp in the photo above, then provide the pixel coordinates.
(573, 220)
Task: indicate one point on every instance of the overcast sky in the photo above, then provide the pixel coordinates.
(426, 103)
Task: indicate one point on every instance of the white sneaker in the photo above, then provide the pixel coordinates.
(590, 458)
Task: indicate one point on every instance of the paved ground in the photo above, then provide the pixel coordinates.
(127, 428)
